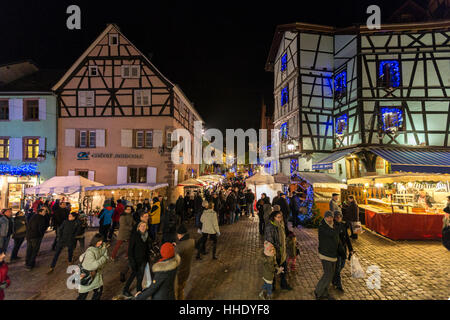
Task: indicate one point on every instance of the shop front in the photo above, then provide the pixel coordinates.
(13, 182)
(402, 206)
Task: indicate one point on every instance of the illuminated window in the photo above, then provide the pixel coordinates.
(284, 62)
(4, 110)
(392, 119)
(4, 148)
(340, 84)
(389, 74)
(294, 165)
(284, 131)
(341, 124)
(284, 95)
(31, 148)
(137, 175)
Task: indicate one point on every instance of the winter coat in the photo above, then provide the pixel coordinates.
(20, 227)
(179, 206)
(155, 213)
(231, 202)
(284, 206)
(269, 268)
(6, 225)
(344, 239)
(163, 284)
(249, 197)
(210, 225)
(126, 225)
(118, 212)
(328, 240)
(334, 206)
(4, 278)
(67, 232)
(267, 209)
(169, 221)
(83, 224)
(291, 247)
(351, 212)
(217, 204)
(138, 250)
(271, 235)
(282, 238)
(198, 201)
(60, 216)
(36, 227)
(185, 248)
(106, 215)
(94, 260)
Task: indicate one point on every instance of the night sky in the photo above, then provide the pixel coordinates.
(216, 50)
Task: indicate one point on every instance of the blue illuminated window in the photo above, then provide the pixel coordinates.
(284, 62)
(284, 95)
(389, 73)
(294, 165)
(340, 84)
(284, 131)
(341, 124)
(392, 119)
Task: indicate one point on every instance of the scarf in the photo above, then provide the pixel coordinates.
(144, 236)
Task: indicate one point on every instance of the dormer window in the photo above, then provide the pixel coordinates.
(340, 85)
(392, 119)
(389, 74)
(284, 95)
(284, 62)
(114, 39)
(93, 71)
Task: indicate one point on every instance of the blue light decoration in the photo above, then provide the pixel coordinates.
(392, 119)
(340, 84)
(284, 95)
(284, 62)
(28, 169)
(294, 165)
(284, 131)
(341, 124)
(389, 73)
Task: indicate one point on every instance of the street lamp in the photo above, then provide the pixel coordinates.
(290, 145)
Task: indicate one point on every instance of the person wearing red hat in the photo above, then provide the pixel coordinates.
(165, 272)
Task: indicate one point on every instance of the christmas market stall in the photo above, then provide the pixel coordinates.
(317, 189)
(262, 182)
(402, 206)
(191, 185)
(71, 188)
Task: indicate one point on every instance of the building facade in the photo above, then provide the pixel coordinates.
(116, 116)
(349, 101)
(27, 135)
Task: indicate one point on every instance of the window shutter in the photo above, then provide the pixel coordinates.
(122, 175)
(151, 175)
(71, 173)
(11, 106)
(15, 149)
(146, 97)
(91, 175)
(100, 138)
(90, 98)
(16, 109)
(127, 138)
(42, 109)
(70, 138)
(42, 146)
(157, 138)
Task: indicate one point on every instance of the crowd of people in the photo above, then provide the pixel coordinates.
(160, 249)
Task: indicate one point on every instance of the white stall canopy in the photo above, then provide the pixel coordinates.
(62, 185)
(135, 186)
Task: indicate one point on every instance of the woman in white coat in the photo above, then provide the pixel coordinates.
(210, 228)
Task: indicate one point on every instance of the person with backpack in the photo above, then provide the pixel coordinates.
(92, 263)
(105, 217)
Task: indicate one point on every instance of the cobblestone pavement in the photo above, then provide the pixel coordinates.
(409, 270)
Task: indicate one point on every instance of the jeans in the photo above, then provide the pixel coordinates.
(4, 241)
(337, 272)
(198, 224)
(97, 294)
(17, 243)
(103, 230)
(33, 246)
(139, 275)
(250, 209)
(59, 248)
(231, 217)
(268, 287)
(324, 282)
(154, 230)
(56, 238)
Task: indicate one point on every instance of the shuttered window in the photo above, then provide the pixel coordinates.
(87, 139)
(92, 139)
(31, 148)
(139, 139)
(83, 139)
(31, 110)
(86, 98)
(149, 139)
(142, 98)
(4, 148)
(137, 175)
(143, 139)
(131, 71)
(4, 110)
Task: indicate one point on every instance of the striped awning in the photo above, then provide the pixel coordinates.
(410, 160)
(327, 162)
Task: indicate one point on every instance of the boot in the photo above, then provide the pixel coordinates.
(214, 253)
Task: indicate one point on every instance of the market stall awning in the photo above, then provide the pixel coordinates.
(63, 184)
(282, 178)
(260, 178)
(327, 162)
(409, 160)
(134, 186)
(192, 183)
(320, 180)
(400, 177)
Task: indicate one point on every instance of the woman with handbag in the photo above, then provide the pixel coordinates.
(91, 268)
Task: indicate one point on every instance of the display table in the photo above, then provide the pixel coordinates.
(404, 226)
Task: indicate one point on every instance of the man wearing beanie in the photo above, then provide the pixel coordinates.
(185, 248)
(165, 272)
(328, 250)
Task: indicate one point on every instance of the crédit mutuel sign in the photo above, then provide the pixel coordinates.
(87, 155)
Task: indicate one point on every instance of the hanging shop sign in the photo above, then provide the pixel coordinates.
(87, 156)
(26, 169)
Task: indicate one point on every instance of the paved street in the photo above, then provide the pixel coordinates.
(409, 270)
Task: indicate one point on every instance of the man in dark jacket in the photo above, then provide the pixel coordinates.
(185, 248)
(66, 238)
(179, 209)
(344, 243)
(328, 252)
(231, 206)
(351, 214)
(35, 232)
(59, 217)
(249, 199)
(169, 222)
(20, 231)
(197, 208)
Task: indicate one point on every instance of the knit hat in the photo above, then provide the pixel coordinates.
(182, 229)
(276, 208)
(338, 213)
(269, 249)
(167, 251)
(328, 214)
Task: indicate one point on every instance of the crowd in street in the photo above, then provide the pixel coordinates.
(159, 249)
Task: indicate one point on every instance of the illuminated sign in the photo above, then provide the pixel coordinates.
(26, 169)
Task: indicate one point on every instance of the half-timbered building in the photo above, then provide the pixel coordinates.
(116, 115)
(355, 101)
